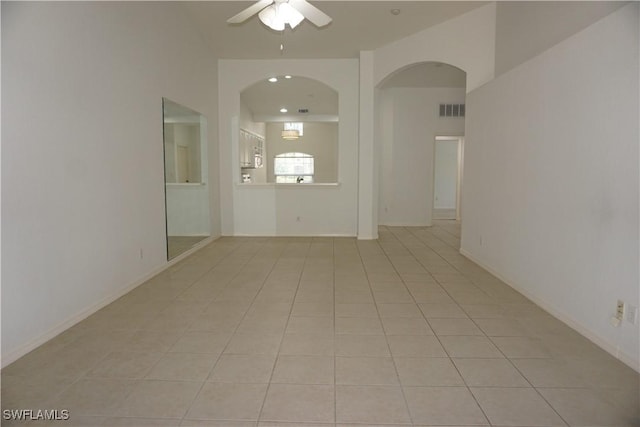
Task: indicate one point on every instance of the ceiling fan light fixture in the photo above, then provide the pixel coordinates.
(290, 135)
(290, 15)
(269, 17)
(277, 15)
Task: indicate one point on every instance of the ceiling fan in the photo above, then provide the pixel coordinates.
(276, 13)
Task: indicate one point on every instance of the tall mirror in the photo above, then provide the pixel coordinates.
(185, 175)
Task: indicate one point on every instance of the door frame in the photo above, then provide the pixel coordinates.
(460, 139)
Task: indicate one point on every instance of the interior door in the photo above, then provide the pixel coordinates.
(446, 182)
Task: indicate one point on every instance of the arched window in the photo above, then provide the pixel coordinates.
(292, 168)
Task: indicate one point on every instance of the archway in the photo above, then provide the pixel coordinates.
(415, 105)
(270, 209)
(288, 113)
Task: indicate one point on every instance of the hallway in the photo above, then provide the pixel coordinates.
(325, 331)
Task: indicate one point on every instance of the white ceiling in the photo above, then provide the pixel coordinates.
(265, 99)
(428, 74)
(356, 26)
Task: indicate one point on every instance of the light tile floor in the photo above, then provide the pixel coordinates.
(325, 331)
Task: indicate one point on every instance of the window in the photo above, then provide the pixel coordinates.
(295, 126)
(292, 168)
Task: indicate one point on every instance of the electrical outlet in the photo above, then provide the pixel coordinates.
(620, 310)
(632, 314)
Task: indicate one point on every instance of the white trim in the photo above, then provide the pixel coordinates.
(460, 165)
(626, 358)
(448, 137)
(302, 118)
(83, 314)
(444, 213)
(272, 185)
(185, 254)
(291, 235)
(185, 184)
(404, 224)
(257, 135)
(367, 237)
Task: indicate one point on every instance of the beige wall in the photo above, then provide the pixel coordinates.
(550, 192)
(94, 75)
(525, 29)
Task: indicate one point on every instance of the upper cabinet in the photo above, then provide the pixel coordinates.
(251, 150)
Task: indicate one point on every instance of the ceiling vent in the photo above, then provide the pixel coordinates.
(303, 110)
(452, 110)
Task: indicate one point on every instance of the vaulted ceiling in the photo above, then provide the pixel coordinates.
(357, 25)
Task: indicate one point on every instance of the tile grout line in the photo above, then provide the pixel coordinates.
(134, 381)
(404, 397)
(262, 244)
(284, 332)
(228, 254)
(335, 375)
(440, 342)
(531, 386)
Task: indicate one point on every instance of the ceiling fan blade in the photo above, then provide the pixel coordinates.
(249, 12)
(312, 13)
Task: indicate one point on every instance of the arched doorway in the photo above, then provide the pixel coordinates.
(416, 105)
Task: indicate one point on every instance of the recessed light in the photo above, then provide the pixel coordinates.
(395, 12)
(273, 79)
(287, 77)
(283, 110)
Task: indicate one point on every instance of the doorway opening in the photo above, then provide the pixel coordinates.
(447, 176)
(408, 105)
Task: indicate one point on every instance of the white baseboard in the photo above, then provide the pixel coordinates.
(624, 357)
(404, 224)
(291, 235)
(195, 248)
(14, 355)
(444, 213)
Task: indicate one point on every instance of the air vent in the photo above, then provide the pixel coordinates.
(303, 110)
(452, 110)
